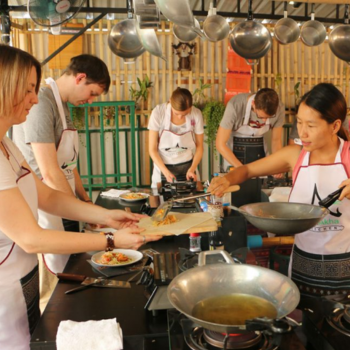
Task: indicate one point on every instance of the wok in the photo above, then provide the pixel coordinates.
(215, 27)
(205, 281)
(283, 218)
(185, 34)
(250, 40)
(124, 41)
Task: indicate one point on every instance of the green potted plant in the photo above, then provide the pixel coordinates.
(199, 98)
(141, 94)
(212, 113)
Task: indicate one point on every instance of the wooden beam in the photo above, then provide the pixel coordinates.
(330, 2)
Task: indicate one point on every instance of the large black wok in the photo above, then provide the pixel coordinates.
(283, 218)
(203, 282)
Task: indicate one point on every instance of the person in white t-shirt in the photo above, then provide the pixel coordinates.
(176, 135)
(22, 193)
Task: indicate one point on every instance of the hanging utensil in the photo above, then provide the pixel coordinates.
(339, 39)
(185, 34)
(250, 40)
(163, 210)
(282, 218)
(91, 282)
(149, 41)
(331, 198)
(179, 12)
(313, 32)
(215, 27)
(286, 29)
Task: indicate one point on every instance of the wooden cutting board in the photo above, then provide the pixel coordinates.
(186, 224)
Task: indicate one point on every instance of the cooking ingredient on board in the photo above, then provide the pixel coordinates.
(110, 258)
(233, 309)
(169, 219)
(133, 196)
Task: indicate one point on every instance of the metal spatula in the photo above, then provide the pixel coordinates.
(163, 210)
(331, 198)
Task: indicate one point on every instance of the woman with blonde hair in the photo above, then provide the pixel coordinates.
(176, 135)
(21, 194)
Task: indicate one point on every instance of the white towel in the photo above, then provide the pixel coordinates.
(89, 335)
(113, 193)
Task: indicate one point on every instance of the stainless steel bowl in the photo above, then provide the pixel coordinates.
(124, 41)
(286, 31)
(250, 40)
(339, 42)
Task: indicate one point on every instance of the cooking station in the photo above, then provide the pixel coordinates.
(326, 323)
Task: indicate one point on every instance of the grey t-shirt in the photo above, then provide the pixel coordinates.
(235, 112)
(43, 125)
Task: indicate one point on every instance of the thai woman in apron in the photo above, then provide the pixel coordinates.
(315, 267)
(67, 157)
(176, 150)
(248, 146)
(19, 282)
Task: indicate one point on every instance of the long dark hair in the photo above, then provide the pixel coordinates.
(329, 102)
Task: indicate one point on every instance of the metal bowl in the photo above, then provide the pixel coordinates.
(124, 41)
(250, 40)
(339, 42)
(313, 33)
(185, 34)
(287, 31)
(216, 28)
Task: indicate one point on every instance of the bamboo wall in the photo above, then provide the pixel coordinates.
(282, 68)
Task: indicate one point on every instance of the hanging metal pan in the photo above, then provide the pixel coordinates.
(313, 32)
(185, 34)
(339, 39)
(250, 40)
(215, 27)
(124, 41)
(286, 30)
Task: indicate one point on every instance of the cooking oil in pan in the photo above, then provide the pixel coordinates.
(233, 309)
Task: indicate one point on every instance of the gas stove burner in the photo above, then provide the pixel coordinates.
(340, 320)
(203, 339)
(232, 341)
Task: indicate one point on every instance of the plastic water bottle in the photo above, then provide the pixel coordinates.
(195, 242)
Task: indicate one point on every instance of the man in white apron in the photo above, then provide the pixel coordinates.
(50, 144)
(240, 137)
(176, 140)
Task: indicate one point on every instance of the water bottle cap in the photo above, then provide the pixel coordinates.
(194, 234)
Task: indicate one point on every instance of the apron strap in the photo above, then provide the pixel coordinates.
(58, 99)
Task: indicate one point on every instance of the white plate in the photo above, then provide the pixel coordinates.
(145, 196)
(133, 254)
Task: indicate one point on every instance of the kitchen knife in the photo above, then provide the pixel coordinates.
(91, 282)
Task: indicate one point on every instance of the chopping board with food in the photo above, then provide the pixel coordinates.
(179, 223)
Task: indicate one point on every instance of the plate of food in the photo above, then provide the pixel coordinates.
(133, 196)
(116, 257)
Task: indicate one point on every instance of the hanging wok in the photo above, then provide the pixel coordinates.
(196, 285)
(283, 218)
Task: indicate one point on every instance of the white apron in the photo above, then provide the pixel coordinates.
(19, 281)
(174, 148)
(67, 157)
(315, 182)
(248, 146)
